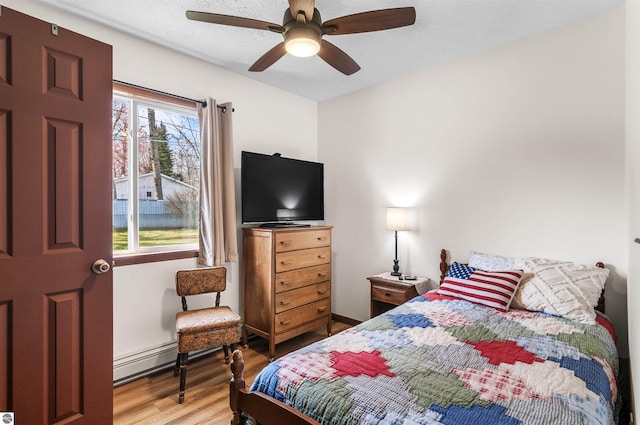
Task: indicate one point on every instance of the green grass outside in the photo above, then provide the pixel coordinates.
(155, 237)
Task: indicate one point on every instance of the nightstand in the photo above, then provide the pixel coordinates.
(388, 291)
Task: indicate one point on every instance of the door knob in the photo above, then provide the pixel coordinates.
(100, 266)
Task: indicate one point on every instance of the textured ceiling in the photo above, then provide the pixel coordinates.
(444, 30)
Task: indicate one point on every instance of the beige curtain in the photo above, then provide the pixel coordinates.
(218, 233)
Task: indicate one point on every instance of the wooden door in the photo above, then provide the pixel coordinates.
(56, 360)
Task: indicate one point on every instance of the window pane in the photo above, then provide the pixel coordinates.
(168, 177)
(120, 187)
(163, 186)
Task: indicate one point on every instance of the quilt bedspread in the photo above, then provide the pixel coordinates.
(436, 360)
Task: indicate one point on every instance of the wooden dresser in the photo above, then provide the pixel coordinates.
(286, 282)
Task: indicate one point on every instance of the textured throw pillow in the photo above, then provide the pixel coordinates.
(560, 288)
(493, 289)
(491, 263)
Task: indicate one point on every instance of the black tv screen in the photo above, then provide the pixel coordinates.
(280, 190)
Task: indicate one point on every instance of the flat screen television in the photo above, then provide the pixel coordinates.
(279, 191)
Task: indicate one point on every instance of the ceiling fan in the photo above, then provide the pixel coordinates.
(303, 30)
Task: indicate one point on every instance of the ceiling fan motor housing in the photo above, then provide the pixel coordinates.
(301, 37)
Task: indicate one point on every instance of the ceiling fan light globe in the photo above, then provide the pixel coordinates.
(302, 48)
(302, 42)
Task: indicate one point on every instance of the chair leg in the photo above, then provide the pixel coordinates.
(176, 368)
(184, 357)
(225, 348)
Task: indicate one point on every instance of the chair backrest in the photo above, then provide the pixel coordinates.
(201, 281)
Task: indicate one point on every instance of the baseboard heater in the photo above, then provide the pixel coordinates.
(145, 362)
(132, 366)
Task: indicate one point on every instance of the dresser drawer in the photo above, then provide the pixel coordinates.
(389, 295)
(292, 241)
(293, 279)
(298, 297)
(301, 315)
(292, 260)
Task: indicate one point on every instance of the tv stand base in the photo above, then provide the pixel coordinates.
(284, 224)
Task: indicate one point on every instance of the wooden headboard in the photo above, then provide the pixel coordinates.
(444, 268)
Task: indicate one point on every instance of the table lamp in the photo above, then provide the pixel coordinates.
(396, 220)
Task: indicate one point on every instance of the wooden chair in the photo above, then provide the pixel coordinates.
(203, 328)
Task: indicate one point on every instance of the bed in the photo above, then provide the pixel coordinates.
(443, 359)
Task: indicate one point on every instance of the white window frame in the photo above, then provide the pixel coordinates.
(132, 254)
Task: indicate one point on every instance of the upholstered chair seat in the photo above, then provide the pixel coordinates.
(207, 327)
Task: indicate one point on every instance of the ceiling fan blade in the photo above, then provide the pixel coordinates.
(269, 58)
(307, 6)
(374, 20)
(337, 58)
(234, 21)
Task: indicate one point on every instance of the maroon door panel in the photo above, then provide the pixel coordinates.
(56, 358)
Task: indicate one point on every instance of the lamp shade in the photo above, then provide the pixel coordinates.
(396, 218)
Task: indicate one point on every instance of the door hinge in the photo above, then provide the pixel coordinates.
(54, 29)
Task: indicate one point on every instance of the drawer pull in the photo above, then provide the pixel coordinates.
(285, 322)
(285, 242)
(285, 283)
(321, 309)
(285, 302)
(322, 274)
(386, 294)
(322, 238)
(322, 257)
(285, 263)
(322, 292)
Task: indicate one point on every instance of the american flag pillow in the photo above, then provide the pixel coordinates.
(493, 289)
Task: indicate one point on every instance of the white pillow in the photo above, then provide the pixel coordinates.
(490, 263)
(560, 288)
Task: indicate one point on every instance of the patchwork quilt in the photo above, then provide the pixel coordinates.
(440, 360)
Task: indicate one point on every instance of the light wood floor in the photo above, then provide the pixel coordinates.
(154, 399)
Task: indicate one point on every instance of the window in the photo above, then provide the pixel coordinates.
(156, 173)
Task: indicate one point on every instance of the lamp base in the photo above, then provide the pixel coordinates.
(396, 267)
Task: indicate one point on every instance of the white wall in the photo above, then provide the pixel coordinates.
(633, 182)
(266, 120)
(518, 151)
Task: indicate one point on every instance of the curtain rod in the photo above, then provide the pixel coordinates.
(201, 102)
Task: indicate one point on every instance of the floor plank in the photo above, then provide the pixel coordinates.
(153, 400)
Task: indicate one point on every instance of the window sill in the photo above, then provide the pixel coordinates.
(152, 257)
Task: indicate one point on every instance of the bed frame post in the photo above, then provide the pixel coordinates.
(601, 304)
(235, 385)
(444, 267)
